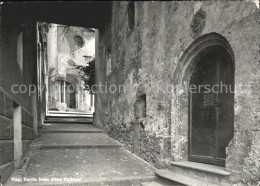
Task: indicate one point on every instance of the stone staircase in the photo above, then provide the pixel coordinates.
(79, 154)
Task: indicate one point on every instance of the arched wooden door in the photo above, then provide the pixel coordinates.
(211, 107)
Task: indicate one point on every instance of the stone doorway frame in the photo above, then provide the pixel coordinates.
(180, 102)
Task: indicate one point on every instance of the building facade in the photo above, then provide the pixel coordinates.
(68, 46)
(17, 108)
(157, 50)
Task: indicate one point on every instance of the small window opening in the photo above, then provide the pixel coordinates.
(108, 61)
(141, 107)
(20, 50)
(131, 15)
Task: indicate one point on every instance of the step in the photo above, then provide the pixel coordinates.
(113, 167)
(202, 167)
(62, 113)
(181, 179)
(158, 183)
(153, 183)
(202, 171)
(74, 141)
(69, 119)
(67, 128)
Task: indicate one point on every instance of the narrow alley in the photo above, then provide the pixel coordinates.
(130, 93)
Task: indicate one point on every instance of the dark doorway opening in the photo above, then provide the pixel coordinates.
(70, 96)
(211, 107)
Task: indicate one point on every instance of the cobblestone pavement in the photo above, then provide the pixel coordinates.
(82, 166)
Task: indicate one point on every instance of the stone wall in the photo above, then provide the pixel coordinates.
(27, 130)
(11, 74)
(6, 136)
(148, 58)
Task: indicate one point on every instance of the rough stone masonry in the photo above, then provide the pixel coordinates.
(154, 49)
